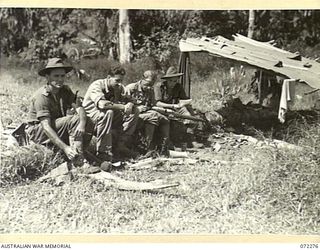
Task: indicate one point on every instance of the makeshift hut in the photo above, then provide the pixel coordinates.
(262, 55)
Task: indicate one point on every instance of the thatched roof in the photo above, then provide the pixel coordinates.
(259, 54)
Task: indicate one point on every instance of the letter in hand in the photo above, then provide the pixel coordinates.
(107, 104)
(104, 104)
(183, 103)
(142, 108)
(128, 108)
(176, 106)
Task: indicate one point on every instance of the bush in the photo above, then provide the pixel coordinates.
(26, 162)
(204, 65)
(99, 68)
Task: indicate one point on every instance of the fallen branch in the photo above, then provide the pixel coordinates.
(286, 145)
(178, 154)
(223, 161)
(122, 184)
(273, 143)
(247, 138)
(151, 162)
(62, 169)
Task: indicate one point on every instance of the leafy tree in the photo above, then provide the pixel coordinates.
(43, 33)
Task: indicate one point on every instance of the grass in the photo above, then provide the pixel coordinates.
(262, 190)
(213, 198)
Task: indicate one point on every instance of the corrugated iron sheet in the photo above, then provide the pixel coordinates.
(259, 54)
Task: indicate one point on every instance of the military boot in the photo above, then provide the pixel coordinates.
(106, 155)
(123, 150)
(76, 143)
(149, 131)
(164, 147)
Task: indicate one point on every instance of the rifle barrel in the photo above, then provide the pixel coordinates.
(168, 112)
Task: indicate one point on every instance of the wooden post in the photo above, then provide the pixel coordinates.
(260, 87)
(251, 24)
(124, 36)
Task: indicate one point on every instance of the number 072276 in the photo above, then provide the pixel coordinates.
(309, 246)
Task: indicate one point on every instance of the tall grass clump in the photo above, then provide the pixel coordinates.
(26, 162)
(211, 92)
(303, 129)
(297, 193)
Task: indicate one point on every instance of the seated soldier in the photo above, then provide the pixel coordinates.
(168, 94)
(48, 121)
(142, 93)
(107, 108)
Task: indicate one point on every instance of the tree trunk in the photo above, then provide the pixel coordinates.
(251, 24)
(124, 36)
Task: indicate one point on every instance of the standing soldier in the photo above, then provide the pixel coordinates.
(142, 93)
(48, 120)
(107, 108)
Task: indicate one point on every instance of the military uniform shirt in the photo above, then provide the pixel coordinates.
(99, 90)
(171, 96)
(139, 95)
(45, 105)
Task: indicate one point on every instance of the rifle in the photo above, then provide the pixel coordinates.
(173, 114)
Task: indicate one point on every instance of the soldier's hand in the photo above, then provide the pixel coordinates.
(176, 106)
(80, 130)
(70, 152)
(104, 104)
(128, 108)
(142, 108)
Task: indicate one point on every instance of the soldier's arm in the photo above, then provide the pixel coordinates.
(127, 108)
(158, 98)
(54, 138)
(104, 104)
(167, 105)
(80, 130)
(126, 93)
(77, 105)
(41, 104)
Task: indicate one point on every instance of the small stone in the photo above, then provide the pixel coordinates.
(106, 166)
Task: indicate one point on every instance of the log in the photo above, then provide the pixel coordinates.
(286, 145)
(122, 184)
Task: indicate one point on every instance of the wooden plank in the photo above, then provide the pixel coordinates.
(113, 181)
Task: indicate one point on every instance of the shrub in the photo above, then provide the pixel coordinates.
(26, 162)
(99, 68)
